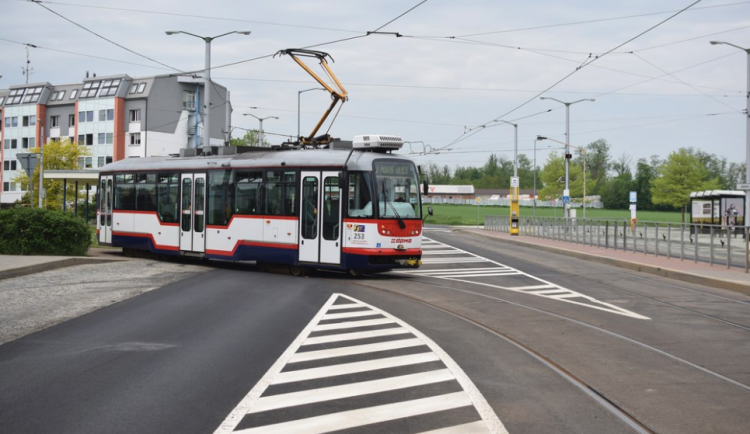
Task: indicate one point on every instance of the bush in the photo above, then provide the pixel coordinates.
(34, 231)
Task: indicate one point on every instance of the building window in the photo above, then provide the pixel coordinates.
(54, 96)
(6, 144)
(141, 87)
(102, 115)
(110, 114)
(28, 121)
(15, 95)
(32, 142)
(135, 139)
(13, 143)
(89, 89)
(33, 94)
(135, 115)
(61, 95)
(14, 121)
(89, 162)
(109, 87)
(188, 101)
(71, 120)
(110, 137)
(10, 165)
(25, 143)
(55, 140)
(100, 162)
(81, 162)
(81, 139)
(54, 121)
(89, 139)
(6, 186)
(90, 116)
(102, 138)
(2, 100)
(73, 93)
(25, 121)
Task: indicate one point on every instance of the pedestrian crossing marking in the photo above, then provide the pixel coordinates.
(296, 384)
(541, 288)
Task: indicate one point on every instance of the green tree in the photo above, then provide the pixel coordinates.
(644, 174)
(597, 163)
(251, 138)
(615, 193)
(682, 173)
(62, 155)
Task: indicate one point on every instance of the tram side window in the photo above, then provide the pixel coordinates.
(220, 192)
(145, 192)
(125, 191)
(280, 193)
(247, 196)
(360, 196)
(167, 188)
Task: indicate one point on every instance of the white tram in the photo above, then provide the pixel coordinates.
(356, 209)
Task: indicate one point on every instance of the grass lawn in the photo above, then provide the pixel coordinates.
(471, 214)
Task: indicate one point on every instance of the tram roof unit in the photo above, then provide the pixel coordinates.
(292, 158)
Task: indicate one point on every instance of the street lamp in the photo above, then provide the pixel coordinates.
(207, 77)
(260, 138)
(747, 128)
(583, 151)
(567, 144)
(300, 92)
(538, 138)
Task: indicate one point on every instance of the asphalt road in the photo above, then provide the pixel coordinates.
(486, 335)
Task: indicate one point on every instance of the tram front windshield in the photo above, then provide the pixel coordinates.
(397, 189)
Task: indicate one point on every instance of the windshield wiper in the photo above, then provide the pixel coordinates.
(401, 223)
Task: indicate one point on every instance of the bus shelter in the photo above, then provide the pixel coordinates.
(80, 178)
(718, 207)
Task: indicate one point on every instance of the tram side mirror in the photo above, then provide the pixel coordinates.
(430, 211)
(425, 188)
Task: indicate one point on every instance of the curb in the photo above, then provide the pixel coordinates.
(730, 285)
(46, 266)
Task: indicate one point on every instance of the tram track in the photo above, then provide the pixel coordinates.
(600, 398)
(654, 299)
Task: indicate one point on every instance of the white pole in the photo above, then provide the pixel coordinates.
(41, 163)
(207, 88)
(566, 213)
(747, 140)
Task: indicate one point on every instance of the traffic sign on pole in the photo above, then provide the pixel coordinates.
(633, 196)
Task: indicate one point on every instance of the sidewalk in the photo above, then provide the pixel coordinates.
(19, 265)
(688, 271)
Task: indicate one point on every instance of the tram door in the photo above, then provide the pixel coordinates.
(192, 212)
(320, 218)
(106, 193)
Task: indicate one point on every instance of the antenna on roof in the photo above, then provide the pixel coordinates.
(27, 70)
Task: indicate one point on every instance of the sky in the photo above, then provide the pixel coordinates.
(457, 70)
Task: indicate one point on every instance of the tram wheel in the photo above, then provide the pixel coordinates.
(262, 266)
(296, 270)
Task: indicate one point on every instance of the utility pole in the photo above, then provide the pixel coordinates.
(566, 192)
(27, 70)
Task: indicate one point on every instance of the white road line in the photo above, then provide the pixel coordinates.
(353, 368)
(349, 314)
(345, 306)
(352, 324)
(354, 336)
(366, 416)
(304, 397)
(397, 410)
(447, 270)
(499, 273)
(477, 427)
(567, 297)
(356, 349)
(444, 252)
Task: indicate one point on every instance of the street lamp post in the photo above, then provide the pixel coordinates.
(299, 93)
(747, 128)
(260, 134)
(567, 143)
(514, 184)
(583, 151)
(538, 138)
(207, 78)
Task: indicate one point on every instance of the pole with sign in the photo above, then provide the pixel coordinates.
(633, 200)
(29, 161)
(514, 209)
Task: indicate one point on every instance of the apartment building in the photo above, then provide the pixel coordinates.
(115, 117)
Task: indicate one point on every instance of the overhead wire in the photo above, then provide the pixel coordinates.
(686, 83)
(583, 65)
(39, 2)
(202, 17)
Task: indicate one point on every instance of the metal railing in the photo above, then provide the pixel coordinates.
(711, 244)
